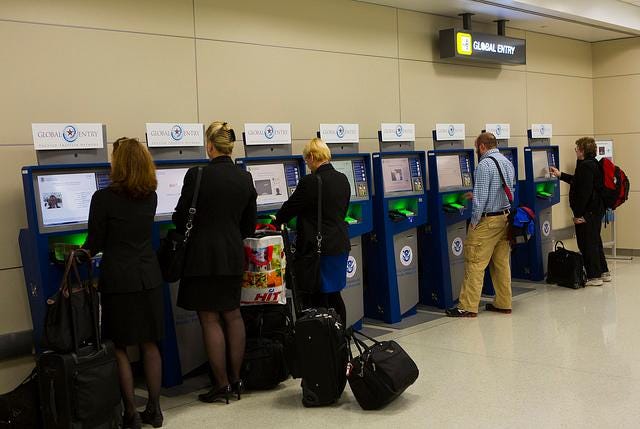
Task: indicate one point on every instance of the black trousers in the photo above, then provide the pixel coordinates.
(590, 245)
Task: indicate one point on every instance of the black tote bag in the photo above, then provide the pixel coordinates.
(173, 247)
(307, 267)
(72, 311)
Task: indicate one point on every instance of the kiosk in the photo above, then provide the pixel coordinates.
(503, 134)
(540, 192)
(400, 207)
(451, 170)
(344, 139)
(58, 225)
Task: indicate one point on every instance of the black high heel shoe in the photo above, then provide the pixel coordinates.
(216, 393)
(152, 417)
(132, 422)
(238, 388)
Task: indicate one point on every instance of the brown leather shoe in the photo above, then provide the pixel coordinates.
(491, 307)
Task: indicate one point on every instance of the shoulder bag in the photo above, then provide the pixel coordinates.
(173, 247)
(307, 267)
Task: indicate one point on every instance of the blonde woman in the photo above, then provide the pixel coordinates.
(211, 283)
(303, 203)
(120, 226)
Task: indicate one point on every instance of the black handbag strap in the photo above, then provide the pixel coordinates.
(192, 208)
(319, 236)
(556, 245)
(505, 187)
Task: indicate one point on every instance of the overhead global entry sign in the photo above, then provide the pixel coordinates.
(67, 136)
(174, 135)
(472, 45)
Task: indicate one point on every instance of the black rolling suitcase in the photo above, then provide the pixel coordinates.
(566, 268)
(80, 389)
(322, 356)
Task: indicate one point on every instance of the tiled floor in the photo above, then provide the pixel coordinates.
(563, 359)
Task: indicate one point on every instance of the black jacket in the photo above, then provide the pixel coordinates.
(585, 193)
(303, 203)
(225, 215)
(121, 228)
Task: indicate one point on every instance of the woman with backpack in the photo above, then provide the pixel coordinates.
(585, 199)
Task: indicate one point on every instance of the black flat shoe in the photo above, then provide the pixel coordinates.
(238, 388)
(152, 417)
(215, 394)
(132, 422)
(457, 312)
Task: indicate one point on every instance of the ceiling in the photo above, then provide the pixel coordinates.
(588, 20)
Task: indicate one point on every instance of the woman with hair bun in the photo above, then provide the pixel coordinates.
(214, 260)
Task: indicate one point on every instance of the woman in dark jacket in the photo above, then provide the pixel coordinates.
(335, 247)
(585, 199)
(120, 225)
(214, 262)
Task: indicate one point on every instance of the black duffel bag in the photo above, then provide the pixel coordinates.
(381, 373)
(566, 268)
(20, 408)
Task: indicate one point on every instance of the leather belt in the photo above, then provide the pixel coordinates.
(498, 213)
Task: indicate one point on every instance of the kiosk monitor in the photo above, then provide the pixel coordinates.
(401, 175)
(64, 198)
(540, 164)
(449, 172)
(170, 182)
(356, 174)
(274, 182)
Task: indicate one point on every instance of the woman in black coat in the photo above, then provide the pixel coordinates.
(214, 262)
(585, 199)
(120, 226)
(335, 247)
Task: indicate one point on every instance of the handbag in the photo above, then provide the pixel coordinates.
(173, 246)
(381, 373)
(73, 310)
(566, 268)
(307, 267)
(20, 408)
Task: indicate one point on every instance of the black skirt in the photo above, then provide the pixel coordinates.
(210, 293)
(133, 318)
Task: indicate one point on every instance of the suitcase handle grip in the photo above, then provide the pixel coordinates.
(556, 246)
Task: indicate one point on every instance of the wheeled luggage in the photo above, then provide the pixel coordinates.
(381, 373)
(80, 389)
(322, 356)
(566, 268)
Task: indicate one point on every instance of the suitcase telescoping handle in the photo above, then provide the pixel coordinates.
(289, 253)
(72, 264)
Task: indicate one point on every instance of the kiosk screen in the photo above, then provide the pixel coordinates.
(270, 182)
(346, 168)
(449, 171)
(65, 198)
(170, 182)
(396, 175)
(540, 164)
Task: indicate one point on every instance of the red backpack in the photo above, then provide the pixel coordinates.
(616, 184)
